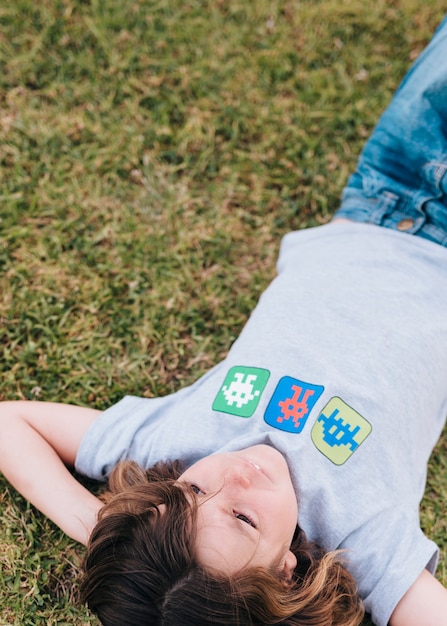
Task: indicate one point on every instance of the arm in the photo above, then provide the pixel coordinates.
(38, 443)
(424, 604)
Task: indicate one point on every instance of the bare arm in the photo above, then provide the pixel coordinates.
(424, 604)
(38, 441)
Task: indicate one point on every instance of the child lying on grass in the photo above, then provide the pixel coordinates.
(325, 411)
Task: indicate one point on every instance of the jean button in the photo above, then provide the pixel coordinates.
(405, 224)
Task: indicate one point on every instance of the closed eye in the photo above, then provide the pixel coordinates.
(240, 516)
(197, 490)
(244, 518)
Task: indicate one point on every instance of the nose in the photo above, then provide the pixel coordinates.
(237, 478)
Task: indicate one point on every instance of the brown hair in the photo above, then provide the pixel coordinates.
(141, 570)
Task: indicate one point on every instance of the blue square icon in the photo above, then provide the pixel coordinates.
(291, 404)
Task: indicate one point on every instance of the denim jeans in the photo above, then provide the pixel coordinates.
(401, 176)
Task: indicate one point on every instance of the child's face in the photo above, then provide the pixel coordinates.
(247, 510)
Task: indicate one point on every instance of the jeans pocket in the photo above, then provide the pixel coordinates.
(434, 175)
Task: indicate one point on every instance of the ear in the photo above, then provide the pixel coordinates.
(288, 565)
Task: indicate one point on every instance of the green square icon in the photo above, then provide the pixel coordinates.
(339, 430)
(241, 391)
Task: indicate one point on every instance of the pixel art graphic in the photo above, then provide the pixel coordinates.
(339, 430)
(241, 391)
(291, 404)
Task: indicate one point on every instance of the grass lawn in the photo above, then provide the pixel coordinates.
(152, 154)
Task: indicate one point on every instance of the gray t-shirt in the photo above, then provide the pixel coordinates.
(342, 367)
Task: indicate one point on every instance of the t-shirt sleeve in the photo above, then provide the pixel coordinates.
(110, 437)
(386, 556)
(144, 430)
(147, 430)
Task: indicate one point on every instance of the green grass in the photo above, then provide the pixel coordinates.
(152, 154)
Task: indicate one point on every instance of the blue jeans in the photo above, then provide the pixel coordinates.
(401, 177)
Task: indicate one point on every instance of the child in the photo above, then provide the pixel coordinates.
(325, 411)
